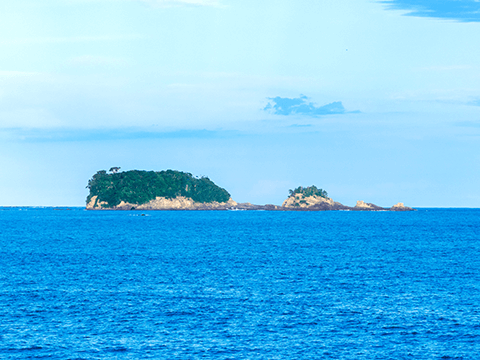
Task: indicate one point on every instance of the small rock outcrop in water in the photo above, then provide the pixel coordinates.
(400, 207)
(362, 206)
(312, 202)
(310, 198)
(313, 199)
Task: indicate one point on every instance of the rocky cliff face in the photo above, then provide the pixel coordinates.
(362, 206)
(299, 202)
(400, 207)
(161, 203)
(302, 202)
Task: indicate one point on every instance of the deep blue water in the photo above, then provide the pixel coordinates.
(239, 285)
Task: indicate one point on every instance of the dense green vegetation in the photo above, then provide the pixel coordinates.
(139, 187)
(309, 191)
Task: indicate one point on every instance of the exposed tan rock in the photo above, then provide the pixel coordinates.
(362, 204)
(400, 207)
(301, 201)
(296, 202)
(162, 203)
(91, 203)
(94, 204)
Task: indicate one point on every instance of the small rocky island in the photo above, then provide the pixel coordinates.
(176, 190)
(312, 199)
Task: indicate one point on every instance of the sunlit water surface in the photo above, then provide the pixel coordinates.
(78, 284)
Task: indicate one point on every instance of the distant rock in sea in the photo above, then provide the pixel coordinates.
(400, 207)
(312, 202)
(313, 199)
(362, 206)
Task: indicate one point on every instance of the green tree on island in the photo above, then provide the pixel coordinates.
(140, 187)
(308, 191)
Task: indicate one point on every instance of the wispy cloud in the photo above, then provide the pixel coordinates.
(27, 118)
(67, 39)
(459, 10)
(447, 68)
(13, 73)
(474, 124)
(171, 3)
(300, 125)
(475, 102)
(302, 106)
(163, 3)
(67, 134)
(460, 101)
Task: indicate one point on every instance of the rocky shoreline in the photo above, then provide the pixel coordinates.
(296, 202)
(323, 207)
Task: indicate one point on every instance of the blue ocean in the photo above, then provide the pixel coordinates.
(78, 284)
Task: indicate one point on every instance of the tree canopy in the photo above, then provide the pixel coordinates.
(140, 187)
(309, 191)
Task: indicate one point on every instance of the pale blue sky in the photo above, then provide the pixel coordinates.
(370, 100)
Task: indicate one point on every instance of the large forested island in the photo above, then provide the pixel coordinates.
(177, 190)
(168, 189)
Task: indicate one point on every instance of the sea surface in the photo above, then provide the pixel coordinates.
(78, 284)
